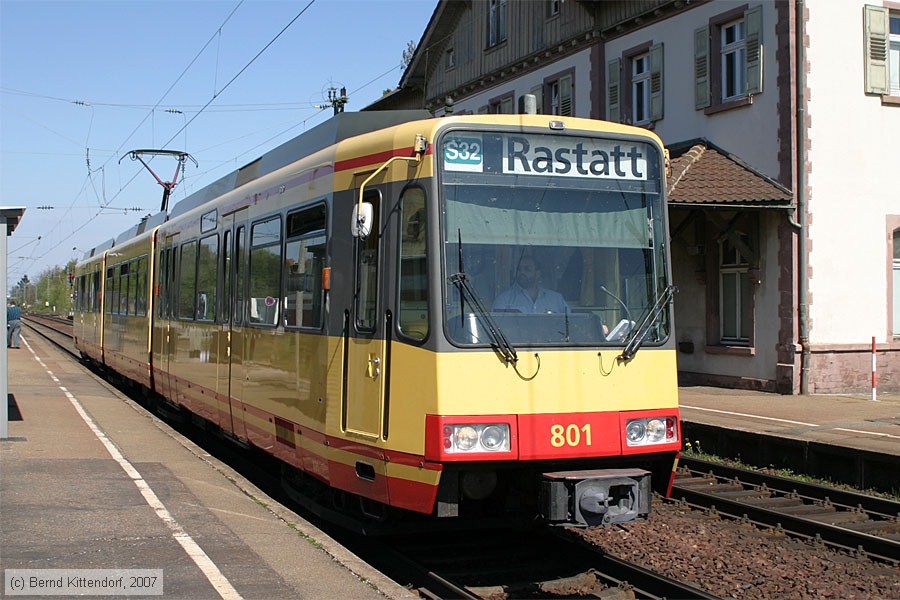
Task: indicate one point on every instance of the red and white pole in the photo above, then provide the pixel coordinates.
(874, 371)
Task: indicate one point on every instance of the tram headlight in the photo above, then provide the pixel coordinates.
(465, 438)
(493, 437)
(635, 431)
(655, 430)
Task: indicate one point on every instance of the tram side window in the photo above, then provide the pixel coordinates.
(206, 278)
(95, 291)
(304, 260)
(187, 280)
(367, 271)
(238, 316)
(161, 307)
(131, 307)
(140, 288)
(112, 295)
(413, 321)
(265, 267)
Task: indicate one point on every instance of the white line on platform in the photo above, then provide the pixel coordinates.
(193, 550)
(737, 414)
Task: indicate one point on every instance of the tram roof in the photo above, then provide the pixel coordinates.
(332, 131)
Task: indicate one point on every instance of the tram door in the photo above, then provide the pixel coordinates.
(230, 373)
(366, 367)
(168, 335)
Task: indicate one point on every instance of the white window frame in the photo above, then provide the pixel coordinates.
(894, 54)
(896, 282)
(733, 267)
(496, 22)
(640, 89)
(734, 54)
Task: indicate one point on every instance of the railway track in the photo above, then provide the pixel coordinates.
(849, 521)
(477, 564)
(504, 564)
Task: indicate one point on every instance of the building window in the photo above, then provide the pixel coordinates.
(502, 105)
(552, 8)
(894, 58)
(559, 92)
(882, 50)
(734, 293)
(451, 59)
(496, 22)
(896, 282)
(640, 89)
(734, 61)
(635, 85)
(728, 60)
(733, 273)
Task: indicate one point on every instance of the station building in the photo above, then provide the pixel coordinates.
(784, 200)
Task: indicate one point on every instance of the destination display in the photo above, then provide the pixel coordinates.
(547, 155)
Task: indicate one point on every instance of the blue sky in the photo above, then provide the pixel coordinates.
(83, 83)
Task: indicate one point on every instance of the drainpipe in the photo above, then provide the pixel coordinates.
(802, 258)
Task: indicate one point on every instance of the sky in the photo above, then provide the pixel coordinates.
(82, 83)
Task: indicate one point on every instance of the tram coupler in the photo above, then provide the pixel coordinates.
(595, 497)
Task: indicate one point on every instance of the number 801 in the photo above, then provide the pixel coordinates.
(570, 435)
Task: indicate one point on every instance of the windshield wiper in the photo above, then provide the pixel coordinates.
(637, 335)
(500, 343)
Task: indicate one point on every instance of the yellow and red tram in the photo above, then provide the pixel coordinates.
(356, 303)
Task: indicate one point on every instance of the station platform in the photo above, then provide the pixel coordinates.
(849, 439)
(90, 480)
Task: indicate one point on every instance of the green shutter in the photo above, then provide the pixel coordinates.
(565, 96)
(876, 23)
(656, 82)
(753, 20)
(613, 77)
(701, 68)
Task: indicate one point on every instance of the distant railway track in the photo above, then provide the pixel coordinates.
(849, 521)
(58, 330)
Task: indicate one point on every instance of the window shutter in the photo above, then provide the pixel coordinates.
(656, 82)
(753, 19)
(538, 92)
(613, 75)
(565, 96)
(701, 68)
(876, 39)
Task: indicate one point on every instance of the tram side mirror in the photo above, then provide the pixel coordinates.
(361, 222)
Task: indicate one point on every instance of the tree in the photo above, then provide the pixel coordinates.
(408, 54)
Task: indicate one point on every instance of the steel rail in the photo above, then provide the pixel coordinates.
(871, 504)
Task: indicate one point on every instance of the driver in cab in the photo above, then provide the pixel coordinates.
(526, 295)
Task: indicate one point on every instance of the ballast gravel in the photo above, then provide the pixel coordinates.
(736, 559)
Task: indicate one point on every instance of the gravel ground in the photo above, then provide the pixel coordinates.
(732, 559)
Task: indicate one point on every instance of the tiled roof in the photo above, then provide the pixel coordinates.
(703, 174)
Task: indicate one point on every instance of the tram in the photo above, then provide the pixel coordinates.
(463, 317)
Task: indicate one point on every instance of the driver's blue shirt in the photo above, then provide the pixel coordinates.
(517, 299)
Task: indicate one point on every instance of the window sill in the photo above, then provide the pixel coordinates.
(890, 100)
(496, 46)
(731, 350)
(711, 110)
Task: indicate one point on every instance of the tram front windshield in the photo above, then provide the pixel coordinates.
(552, 239)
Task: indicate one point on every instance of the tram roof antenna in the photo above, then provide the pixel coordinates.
(168, 186)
